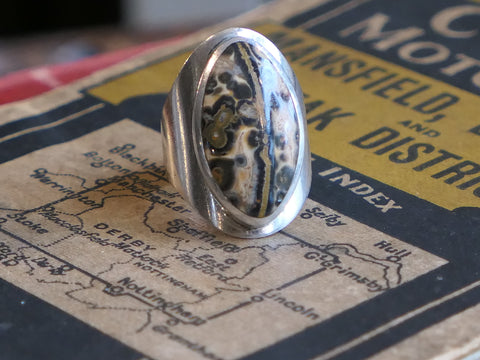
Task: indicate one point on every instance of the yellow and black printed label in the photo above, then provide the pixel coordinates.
(402, 128)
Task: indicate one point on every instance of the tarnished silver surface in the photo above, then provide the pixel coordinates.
(234, 135)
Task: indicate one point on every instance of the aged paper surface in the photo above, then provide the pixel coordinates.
(384, 246)
(115, 245)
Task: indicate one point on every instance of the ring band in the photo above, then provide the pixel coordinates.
(234, 135)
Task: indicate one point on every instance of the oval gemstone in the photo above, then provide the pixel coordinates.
(250, 130)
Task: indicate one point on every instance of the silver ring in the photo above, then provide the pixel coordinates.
(235, 137)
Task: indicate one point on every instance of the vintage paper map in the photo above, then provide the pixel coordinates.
(382, 261)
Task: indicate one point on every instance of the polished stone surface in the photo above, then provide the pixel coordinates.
(250, 130)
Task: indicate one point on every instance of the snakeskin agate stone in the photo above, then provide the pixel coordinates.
(249, 130)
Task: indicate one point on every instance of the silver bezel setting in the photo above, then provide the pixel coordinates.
(183, 145)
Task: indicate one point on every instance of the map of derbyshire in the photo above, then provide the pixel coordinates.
(110, 241)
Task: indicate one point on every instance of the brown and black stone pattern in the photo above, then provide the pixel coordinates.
(250, 130)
